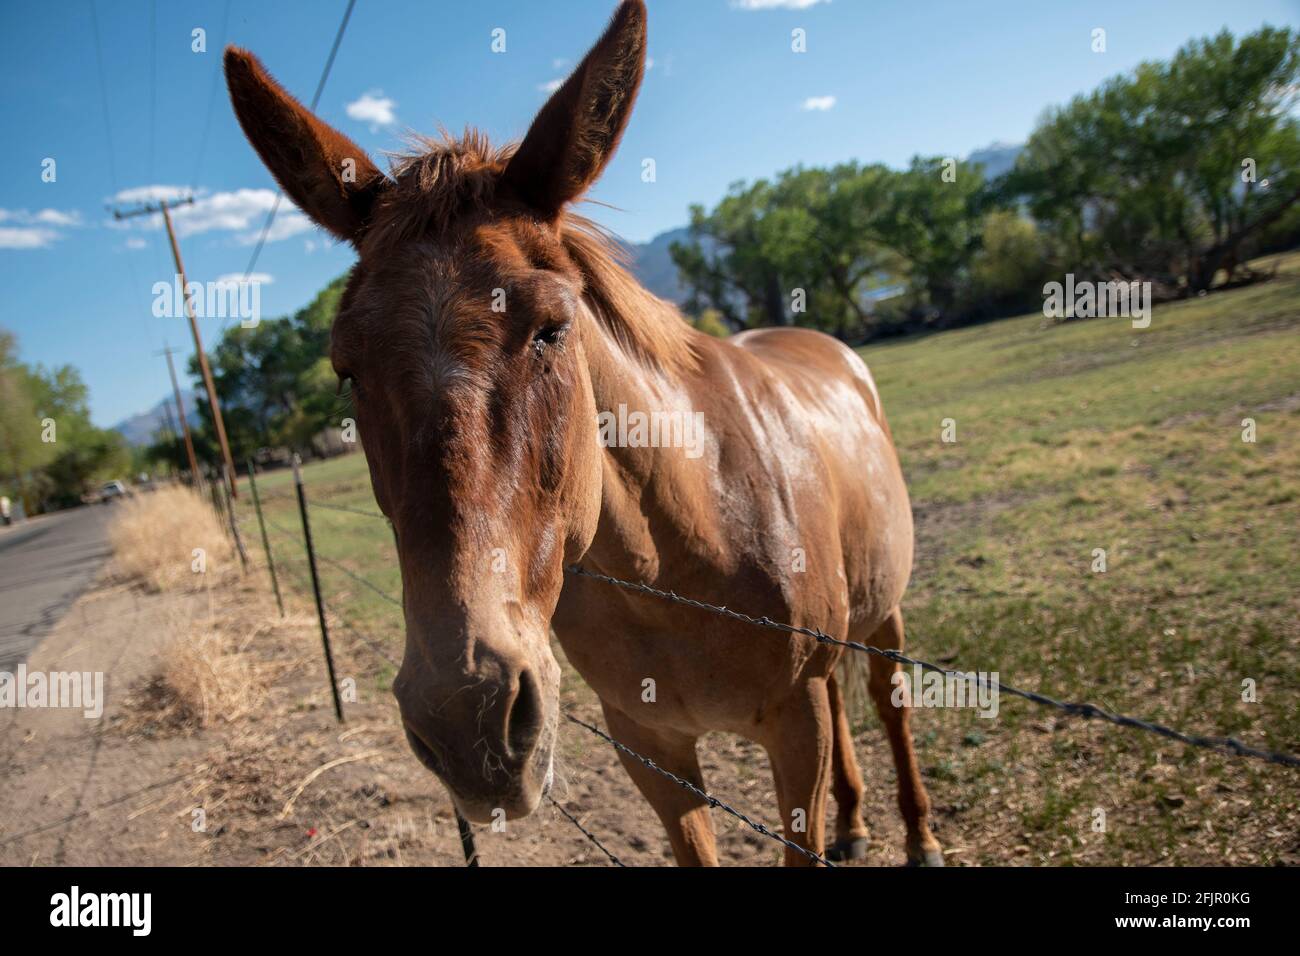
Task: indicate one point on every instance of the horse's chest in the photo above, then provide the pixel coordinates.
(683, 668)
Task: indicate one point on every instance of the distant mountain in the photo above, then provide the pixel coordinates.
(998, 158)
(653, 265)
(140, 429)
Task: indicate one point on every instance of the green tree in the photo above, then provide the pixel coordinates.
(1171, 173)
(274, 381)
(35, 404)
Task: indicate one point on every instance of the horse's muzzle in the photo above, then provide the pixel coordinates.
(490, 742)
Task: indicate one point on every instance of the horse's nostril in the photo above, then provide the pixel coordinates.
(524, 723)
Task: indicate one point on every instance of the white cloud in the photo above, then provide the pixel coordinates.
(237, 278)
(776, 4)
(43, 217)
(26, 237)
(649, 63)
(289, 222)
(559, 63)
(241, 211)
(143, 194)
(374, 108)
(550, 86)
(34, 230)
(818, 103)
(136, 243)
(53, 217)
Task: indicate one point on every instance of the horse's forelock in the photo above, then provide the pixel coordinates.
(441, 181)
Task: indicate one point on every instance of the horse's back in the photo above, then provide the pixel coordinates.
(815, 356)
(842, 418)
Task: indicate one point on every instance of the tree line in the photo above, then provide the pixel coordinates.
(50, 452)
(1146, 178)
(275, 384)
(1175, 174)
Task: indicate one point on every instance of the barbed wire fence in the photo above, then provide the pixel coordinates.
(1229, 746)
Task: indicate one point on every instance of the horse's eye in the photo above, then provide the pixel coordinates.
(546, 336)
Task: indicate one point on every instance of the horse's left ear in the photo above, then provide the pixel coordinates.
(576, 132)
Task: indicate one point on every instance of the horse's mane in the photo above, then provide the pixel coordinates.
(443, 178)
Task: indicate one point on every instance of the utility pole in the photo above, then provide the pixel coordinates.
(168, 421)
(180, 411)
(167, 433)
(164, 206)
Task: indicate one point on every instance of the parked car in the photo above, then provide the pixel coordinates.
(111, 491)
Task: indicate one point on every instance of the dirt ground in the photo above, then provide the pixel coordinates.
(288, 785)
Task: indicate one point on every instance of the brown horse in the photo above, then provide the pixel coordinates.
(492, 341)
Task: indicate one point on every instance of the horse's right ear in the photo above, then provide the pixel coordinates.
(327, 175)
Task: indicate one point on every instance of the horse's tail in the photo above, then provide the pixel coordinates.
(852, 674)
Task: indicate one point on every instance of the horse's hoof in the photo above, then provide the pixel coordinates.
(847, 848)
(926, 857)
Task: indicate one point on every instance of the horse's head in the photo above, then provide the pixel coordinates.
(459, 334)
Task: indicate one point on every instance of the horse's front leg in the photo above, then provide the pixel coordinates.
(684, 815)
(799, 743)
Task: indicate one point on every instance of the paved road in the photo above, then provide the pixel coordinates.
(45, 564)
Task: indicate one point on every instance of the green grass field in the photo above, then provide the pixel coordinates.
(1070, 437)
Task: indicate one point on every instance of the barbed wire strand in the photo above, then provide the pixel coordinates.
(1228, 745)
(349, 510)
(585, 832)
(706, 797)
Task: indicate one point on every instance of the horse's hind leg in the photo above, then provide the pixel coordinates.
(684, 815)
(922, 848)
(799, 744)
(846, 784)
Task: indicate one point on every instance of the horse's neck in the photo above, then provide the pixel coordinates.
(636, 481)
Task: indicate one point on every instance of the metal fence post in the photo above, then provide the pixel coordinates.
(466, 840)
(315, 584)
(216, 501)
(230, 513)
(462, 825)
(266, 541)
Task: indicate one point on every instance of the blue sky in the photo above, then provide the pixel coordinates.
(725, 100)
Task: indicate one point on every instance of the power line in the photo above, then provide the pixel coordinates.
(153, 82)
(134, 282)
(212, 100)
(103, 96)
(320, 87)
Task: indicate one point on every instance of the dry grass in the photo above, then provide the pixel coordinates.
(208, 679)
(155, 536)
(205, 676)
(213, 669)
